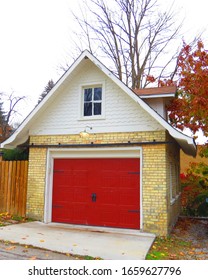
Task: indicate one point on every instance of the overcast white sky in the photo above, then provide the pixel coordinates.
(35, 40)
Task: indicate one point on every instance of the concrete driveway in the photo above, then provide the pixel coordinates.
(105, 243)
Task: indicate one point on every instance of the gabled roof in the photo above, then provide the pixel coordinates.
(21, 134)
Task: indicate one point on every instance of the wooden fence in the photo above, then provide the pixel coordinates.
(13, 187)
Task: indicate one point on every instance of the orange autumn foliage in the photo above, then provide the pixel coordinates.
(190, 108)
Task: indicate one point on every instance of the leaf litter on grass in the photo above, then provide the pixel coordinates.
(187, 241)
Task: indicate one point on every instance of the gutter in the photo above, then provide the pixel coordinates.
(92, 144)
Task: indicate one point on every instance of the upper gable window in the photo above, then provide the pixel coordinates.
(92, 101)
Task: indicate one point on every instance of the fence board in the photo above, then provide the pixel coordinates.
(13, 187)
(5, 170)
(23, 189)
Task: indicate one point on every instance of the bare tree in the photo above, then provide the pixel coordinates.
(2, 120)
(134, 34)
(9, 113)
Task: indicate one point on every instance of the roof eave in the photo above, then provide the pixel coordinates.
(187, 143)
(190, 149)
(146, 96)
(12, 141)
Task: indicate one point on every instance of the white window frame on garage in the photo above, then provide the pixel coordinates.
(53, 153)
(92, 86)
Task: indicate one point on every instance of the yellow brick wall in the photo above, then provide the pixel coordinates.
(154, 174)
(36, 183)
(100, 138)
(154, 189)
(173, 163)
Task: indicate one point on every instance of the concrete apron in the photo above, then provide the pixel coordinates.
(106, 243)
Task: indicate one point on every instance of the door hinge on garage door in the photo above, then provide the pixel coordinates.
(58, 171)
(134, 211)
(137, 173)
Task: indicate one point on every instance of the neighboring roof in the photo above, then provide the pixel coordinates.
(5, 134)
(166, 91)
(21, 134)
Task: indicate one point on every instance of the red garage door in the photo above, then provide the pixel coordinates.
(101, 192)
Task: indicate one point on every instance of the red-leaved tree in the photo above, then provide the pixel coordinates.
(190, 110)
(190, 107)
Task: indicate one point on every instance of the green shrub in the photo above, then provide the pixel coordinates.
(195, 190)
(15, 154)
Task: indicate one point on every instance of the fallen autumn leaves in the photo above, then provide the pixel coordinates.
(7, 219)
(188, 241)
(14, 251)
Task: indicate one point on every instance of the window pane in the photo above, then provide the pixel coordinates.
(88, 109)
(98, 93)
(97, 108)
(88, 94)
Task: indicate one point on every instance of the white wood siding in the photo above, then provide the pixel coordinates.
(122, 114)
(158, 105)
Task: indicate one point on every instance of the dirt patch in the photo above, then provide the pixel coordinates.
(188, 241)
(195, 231)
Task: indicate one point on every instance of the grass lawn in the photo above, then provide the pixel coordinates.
(168, 249)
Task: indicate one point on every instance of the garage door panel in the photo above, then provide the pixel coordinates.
(119, 217)
(107, 196)
(128, 197)
(60, 211)
(80, 177)
(76, 212)
(81, 194)
(108, 178)
(107, 216)
(96, 192)
(79, 213)
(62, 193)
(130, 221)
(128, 181)
(71, 194)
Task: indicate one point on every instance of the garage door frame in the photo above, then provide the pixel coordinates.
(121, 152)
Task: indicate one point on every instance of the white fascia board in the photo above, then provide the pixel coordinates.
(168, 95)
